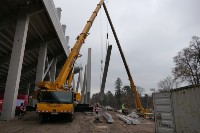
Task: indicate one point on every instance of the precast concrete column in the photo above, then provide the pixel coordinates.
(41, 63)
(85, 98)
(88, 76)
(14, 71)
(74, 84)
(84, 86)
(81, 78)
(28, 89)
(67, 40)
(53, 70)
(78, 82)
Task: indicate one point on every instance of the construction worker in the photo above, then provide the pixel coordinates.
(96, 110)
(22, 110)
(123, 109)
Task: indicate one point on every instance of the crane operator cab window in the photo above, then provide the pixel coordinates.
(56, 97)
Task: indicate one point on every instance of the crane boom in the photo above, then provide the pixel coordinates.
(65, 71)
(137, 99)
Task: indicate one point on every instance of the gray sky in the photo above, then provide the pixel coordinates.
(151, 33)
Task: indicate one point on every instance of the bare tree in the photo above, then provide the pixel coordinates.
(109, 99)
(187, 63)
(128, 97)
(167, 84)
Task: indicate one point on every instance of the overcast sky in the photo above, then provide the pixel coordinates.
(151, 33)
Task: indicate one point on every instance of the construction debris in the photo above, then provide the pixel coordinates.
(108, 117)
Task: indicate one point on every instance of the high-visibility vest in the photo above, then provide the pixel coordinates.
(96, 109)
(123, 107)
(23, 108)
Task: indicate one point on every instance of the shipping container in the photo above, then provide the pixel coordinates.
(178, 111)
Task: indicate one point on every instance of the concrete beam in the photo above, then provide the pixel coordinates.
(24, 71)
(52, 13)
(28, 81)
(29, 47)
(6, 38)
(35, 9)
(29, 68)
(5, 58)
(14, 72)
(7, 19)
(11, 18)
(36, 30)
(36, 44)
(7, 46)
(32, 79)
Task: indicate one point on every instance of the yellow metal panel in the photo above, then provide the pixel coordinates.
(49, 107)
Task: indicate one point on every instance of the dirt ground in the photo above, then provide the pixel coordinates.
(81, 124)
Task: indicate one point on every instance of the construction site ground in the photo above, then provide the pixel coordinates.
(82, 123)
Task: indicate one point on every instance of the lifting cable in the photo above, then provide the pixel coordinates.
(107, 38)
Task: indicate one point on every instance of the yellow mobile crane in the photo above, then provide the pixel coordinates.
(139, 107)
(53, 97)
